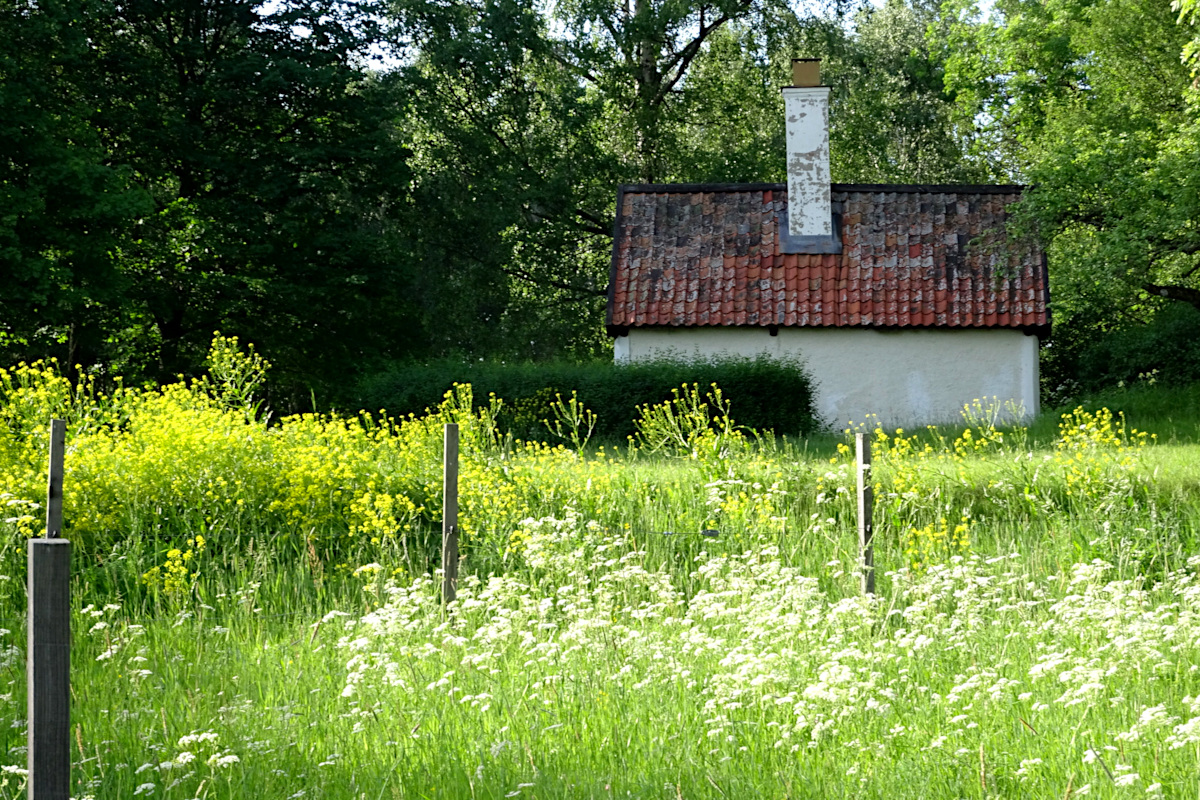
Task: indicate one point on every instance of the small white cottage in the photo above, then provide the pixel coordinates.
(905, 302)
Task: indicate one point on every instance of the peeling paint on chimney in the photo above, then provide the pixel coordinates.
(809, 210)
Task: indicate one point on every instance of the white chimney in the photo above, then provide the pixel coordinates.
(806, 103)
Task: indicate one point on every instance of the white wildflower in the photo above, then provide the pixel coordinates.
(208, 737)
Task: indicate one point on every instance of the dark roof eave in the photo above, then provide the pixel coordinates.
(618, 228)
(1041, 331)
(941, 188)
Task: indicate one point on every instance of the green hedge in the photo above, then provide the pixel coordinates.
(765, 394)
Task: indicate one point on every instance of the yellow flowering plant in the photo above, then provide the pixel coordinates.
(690, 424)
(178, 573)
(151, 470)
(936, 542)
(1097, 457)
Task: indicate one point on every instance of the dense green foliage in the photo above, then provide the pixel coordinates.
(62, 207)
(1166, 350)
(184, 167)
(355, 184)
(766, 394)
(178, 168)
(1091, 103)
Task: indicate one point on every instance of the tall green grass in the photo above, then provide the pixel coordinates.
(679, 617)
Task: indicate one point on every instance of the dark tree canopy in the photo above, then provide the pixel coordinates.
(63, 203)
(237, 168)
(352, 183)
(278, 181)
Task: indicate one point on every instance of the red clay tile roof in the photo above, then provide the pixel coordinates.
(912, 256)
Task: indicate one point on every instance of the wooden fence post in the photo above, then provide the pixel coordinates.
(866, 508)
(48, 652)
(450, 515)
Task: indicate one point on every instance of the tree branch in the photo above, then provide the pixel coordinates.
(1185, 294)
(593, 225)
(590, 224)
(583, 291)
(678, 65)
(572, 66)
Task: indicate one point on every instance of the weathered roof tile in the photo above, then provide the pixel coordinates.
(911, 256)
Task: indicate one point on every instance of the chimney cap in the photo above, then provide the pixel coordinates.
(806, 72)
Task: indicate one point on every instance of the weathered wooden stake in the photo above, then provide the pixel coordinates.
(866, 508)
(450, 515)
(48, 655)
(54, 487)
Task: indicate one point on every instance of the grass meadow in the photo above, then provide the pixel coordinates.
(677, 616)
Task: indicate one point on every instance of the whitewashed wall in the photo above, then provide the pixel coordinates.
(906, 377)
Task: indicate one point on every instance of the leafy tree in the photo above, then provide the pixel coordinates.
(892, 118)
(525, 123)
(279, 184)
(184, 166)
(638, 56)
(509, 180)
(1089, 101)
(524, 127)
(733, 129)
(1189, 13)
(63, 204)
